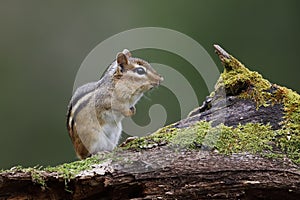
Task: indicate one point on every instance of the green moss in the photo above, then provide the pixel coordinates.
(252, 138)
(70, 170)
(255, 138)
(238, 80)
(289, 140)
(37, 176)
(158, 138)
(35, 172)
(65, 171)
(193, 136)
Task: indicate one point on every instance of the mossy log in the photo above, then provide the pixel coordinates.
(242, 143)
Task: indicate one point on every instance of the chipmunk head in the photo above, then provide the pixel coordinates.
(135, 74)
(133, 77)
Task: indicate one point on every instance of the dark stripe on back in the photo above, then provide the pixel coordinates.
(84, 90)
(68, 116)
(80, 107)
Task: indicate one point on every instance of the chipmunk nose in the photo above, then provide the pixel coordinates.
(161, 79)
(158, 79)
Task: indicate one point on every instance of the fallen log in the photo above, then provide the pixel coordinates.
(242, 143)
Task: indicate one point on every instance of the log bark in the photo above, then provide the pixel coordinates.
(165, 173)
(232, 111)
(181, 175)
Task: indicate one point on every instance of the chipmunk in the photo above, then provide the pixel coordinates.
(96, 109)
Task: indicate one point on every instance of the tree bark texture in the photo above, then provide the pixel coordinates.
(182, 175)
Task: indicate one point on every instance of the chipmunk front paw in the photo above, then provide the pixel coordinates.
(130, 112)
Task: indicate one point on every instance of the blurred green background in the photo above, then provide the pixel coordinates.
(43, 43)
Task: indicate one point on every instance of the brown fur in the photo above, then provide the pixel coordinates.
(116, 92)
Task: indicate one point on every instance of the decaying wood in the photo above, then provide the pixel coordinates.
(162, 173)
(166, 173)
(232, 111)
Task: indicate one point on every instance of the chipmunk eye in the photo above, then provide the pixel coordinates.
(140, 70)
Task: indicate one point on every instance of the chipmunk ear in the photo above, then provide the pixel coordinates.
(122, 59)
(122, 62)
(127, 53)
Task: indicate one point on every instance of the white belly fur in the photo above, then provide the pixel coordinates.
(107, 138)
(96, 137)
